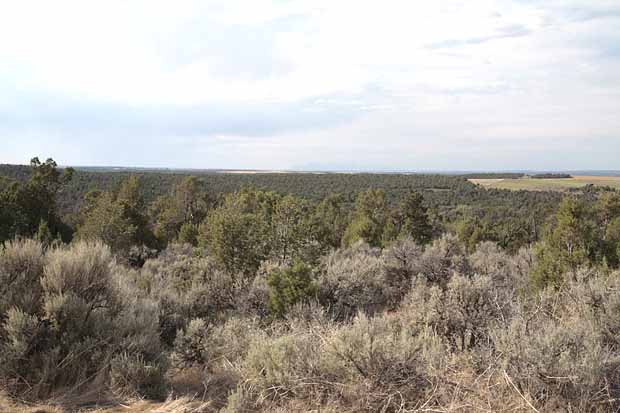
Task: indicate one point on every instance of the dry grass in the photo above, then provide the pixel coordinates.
(536, 184)
(486, 182)
(182, 404)
(7, 405)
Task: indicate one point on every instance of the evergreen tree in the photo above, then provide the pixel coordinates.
(567, 244)
(237, 234)
(369, 220)
(414, 220)
(290, 286)
(23, 205)
(329, 221)
(291, 235)
(117, 218)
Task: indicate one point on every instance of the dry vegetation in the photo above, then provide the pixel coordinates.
(539, 184)
(404, 329)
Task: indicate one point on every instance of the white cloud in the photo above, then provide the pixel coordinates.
(402, 76)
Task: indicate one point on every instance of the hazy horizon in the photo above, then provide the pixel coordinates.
(602, 172)
(494, 85)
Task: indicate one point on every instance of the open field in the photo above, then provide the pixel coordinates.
(535, 184)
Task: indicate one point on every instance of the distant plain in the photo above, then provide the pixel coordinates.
(539, 184)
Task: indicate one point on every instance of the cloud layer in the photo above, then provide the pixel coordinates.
(312, 84)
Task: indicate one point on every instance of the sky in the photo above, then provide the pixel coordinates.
(312, 84)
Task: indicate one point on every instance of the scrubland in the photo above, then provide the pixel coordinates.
(259, 301)
(403, 329)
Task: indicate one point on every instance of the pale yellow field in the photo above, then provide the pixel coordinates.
(536, 184)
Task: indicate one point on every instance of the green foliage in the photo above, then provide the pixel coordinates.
(510, 218)
(291, 235)
(413, 219)
(329, 221)
(608, 209)
(237, 233)
(508, 232)
(438, 188)
(235, 239)
(551, 176)
(188, 234)
(190, 200)
(117, 219)
(568, 244)
(7, 218)
(44, 235)
(131, 200)
(25, 204)
(164, 218)
(612, 243)
(290, 286)
(181, 212)
(470, 232)
(106, 221)
(370, 219)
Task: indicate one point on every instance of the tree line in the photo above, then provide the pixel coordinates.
(510, 218)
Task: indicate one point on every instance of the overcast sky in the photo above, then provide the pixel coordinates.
(312, 84)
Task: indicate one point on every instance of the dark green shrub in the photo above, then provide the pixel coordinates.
(188, 234)
(290, 286)
(568, 244)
